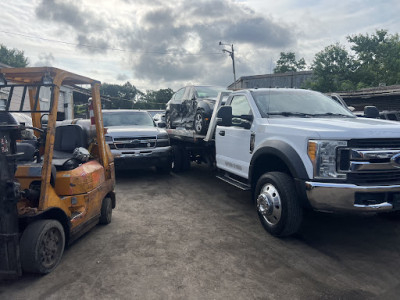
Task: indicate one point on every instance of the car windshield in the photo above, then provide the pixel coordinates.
(127, 118)
(208, 91)
(298, 103)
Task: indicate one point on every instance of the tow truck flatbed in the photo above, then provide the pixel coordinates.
(187, 135)
(187, 145)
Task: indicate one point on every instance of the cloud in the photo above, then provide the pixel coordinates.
(91, 44)
(68, 13)
(172, 42)
(122, 77)
(190, 31)
(260, 31)
(45, 60)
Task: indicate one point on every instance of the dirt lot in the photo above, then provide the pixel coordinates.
(190, 236)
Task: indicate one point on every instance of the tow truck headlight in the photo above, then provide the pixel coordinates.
(323, 155)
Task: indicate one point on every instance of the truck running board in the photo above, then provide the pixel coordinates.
(225, 177)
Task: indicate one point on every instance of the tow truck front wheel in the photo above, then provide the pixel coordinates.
(277, 206)
(42, 246)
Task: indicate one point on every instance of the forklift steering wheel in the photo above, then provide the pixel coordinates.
(35, 128)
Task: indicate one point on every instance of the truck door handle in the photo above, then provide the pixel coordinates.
(222, 132)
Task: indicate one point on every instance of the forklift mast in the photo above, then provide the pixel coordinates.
(10, 266)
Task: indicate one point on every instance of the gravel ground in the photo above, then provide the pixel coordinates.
(191, 236)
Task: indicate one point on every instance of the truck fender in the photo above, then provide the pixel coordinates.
(286, 153)
(293, 163)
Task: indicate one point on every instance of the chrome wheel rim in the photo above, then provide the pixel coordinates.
(269, 204)
(198, 123)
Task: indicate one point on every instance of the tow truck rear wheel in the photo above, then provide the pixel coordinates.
(177, 159)
(42, 246)
(106, 211)
(276, 202)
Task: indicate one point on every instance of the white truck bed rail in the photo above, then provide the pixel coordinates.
(213, 120)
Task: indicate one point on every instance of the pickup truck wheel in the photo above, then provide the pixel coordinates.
(199, 123)
(42, 246)
(106, 211)
(278, 209)
(176, 159)
(166, 169)
(391, 215)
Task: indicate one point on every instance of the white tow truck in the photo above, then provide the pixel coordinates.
(297, 149)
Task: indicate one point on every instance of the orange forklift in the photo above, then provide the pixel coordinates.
(56, 185)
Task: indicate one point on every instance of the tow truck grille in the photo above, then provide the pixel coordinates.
(392, 177)
(374, 143)
(369, 161)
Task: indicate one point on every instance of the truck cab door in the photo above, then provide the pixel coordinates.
(233, 142)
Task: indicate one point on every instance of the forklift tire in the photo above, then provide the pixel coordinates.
(106, 211)
(42, 246)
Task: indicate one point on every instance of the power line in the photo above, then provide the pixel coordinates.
(107, 48)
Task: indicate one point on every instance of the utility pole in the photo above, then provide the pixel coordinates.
(232, 55)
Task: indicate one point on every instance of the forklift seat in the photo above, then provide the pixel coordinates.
(26, 151)
(67, 139)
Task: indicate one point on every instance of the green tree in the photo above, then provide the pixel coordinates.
(287, 63)
(13, 57)
(378, 57)
(123, 96)
(333, 70)
(155, 99)
(376, 61)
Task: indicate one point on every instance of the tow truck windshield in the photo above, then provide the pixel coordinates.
(298, 103)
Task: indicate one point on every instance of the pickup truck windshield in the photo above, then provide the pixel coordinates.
(297, 103)
(127, 118)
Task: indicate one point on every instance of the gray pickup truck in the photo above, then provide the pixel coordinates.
(135, 141)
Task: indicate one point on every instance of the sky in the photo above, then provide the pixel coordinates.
(157, 44)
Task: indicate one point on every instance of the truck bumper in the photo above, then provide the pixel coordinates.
(158, 157)
(341, 197)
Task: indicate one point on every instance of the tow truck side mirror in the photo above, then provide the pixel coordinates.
(371, 112)
(224, 116)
